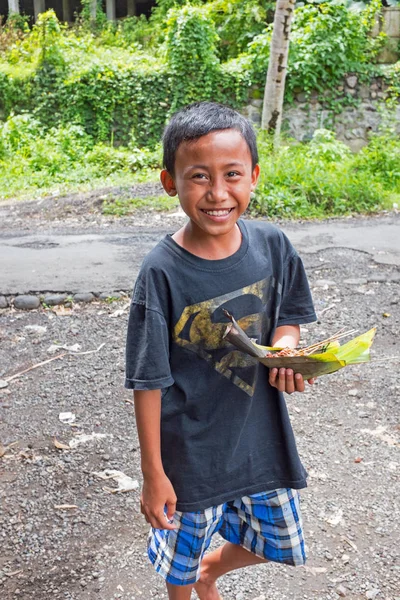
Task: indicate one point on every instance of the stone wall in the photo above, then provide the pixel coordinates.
(353, 125)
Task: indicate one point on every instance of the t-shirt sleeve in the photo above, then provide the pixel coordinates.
(147, 350)
(297, 305)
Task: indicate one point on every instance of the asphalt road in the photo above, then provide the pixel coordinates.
(101, 260)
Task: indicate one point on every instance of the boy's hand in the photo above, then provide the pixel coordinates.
(286, 381)
(158, 494)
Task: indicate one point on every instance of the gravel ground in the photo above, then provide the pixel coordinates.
(65, 535)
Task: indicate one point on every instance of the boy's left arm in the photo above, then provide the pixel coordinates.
(285, 380)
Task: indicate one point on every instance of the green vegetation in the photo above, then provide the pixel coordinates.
(323, 178)
(85, 106)
(125, 206)
(34, 160)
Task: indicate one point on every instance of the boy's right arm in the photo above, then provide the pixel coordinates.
(157, 492)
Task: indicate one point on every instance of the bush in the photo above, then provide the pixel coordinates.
(318, 179)
(381, 159)
(32, 158)
(191, 54)
(327, 41)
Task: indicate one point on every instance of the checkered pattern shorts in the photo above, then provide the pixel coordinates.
(267, 524)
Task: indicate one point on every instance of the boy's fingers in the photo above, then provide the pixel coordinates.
(171, 506)
(282, 380)
(159, 521)
(289, 381)
(272, 376)
(300, 387)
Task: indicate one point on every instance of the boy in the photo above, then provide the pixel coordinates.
(217, 449)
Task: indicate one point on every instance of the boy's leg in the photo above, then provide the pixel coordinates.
(248, 524)
(228, 557)
(179, 592)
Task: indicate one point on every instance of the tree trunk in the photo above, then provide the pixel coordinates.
(131, 8)
(13, 7)
(277, 67)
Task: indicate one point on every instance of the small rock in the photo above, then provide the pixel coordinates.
(39, 329)
(107, 295)
(302, 97)
(354, 392)
(351, 81)
(370, 594)
(345, 558)
(355, 281)
(54, 299)
(84, 297)
(328, 555)
(325, 282)
(3, 302)
(341, 591)
(26, 302)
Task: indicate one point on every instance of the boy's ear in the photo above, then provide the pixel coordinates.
(168, 183)
(254, 177)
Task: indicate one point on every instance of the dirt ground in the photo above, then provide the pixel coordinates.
(64, 533)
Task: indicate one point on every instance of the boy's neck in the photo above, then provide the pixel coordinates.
(210, 247)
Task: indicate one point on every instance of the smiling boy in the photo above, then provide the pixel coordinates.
(217, 449)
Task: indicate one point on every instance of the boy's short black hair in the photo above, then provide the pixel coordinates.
(200, 118)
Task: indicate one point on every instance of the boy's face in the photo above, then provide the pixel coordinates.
(213, 179)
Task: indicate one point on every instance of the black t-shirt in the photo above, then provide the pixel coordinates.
(225, 432)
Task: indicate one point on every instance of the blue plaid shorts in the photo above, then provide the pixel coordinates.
(267, 524)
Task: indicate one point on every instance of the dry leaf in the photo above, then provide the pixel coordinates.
(315, 570)
(65, 506)
(352, 544)
(61, 310)
(13, 573)
(3, 449)
(60, 445)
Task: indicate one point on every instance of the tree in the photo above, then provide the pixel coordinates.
(277, 67)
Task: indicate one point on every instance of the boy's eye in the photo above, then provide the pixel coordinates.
(232, 174)
(199, 176)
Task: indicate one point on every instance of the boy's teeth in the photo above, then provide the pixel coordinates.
(218, 213)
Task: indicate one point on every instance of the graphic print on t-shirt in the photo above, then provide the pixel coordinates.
(201, 327)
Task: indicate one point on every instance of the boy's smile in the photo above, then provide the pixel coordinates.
(213, 178)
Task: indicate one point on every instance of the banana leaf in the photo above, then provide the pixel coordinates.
(329, 359)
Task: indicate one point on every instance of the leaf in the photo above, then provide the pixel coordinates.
(308, 366)
(60, 445)
(332, 357)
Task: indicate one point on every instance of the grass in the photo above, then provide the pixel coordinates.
(302, 180)
(125, 206)
(323, 178)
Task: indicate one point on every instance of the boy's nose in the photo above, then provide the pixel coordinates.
(217, 192)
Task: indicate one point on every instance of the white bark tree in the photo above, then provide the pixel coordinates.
(13, 7)
(277, 67)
